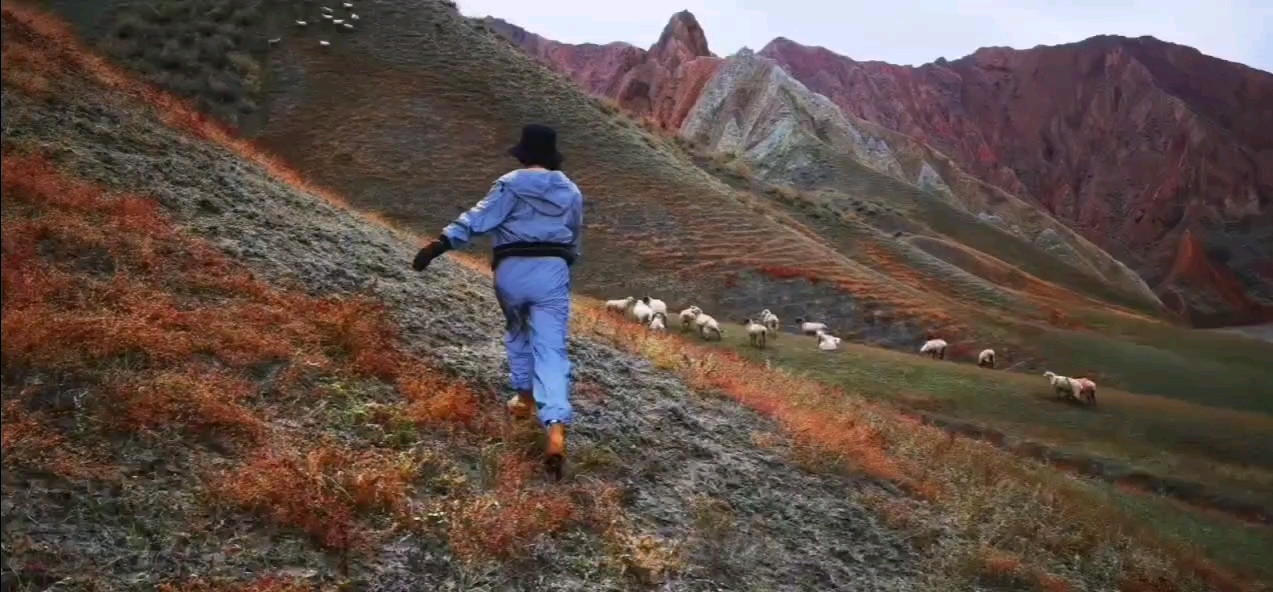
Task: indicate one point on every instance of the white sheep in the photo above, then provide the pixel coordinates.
(620, 305)
(809, 327)
(756, 333)
(658, 322)
(324, 43)
(327, 9)
(348, 4)
(687, 317)
(986, 358)
(1087, 389)
(708, 325)
(655, 304)
(640, 311)
(301, 23)
(347, 26)
(328, 16)
(935, 348)
(827, 341)
(770, 320)
(353, 16)
(1064, 386)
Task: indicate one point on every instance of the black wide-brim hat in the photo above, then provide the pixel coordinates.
(538, 146)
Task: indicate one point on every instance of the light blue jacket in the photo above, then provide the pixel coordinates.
(525, 205)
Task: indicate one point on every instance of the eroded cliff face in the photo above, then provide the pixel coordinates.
(1132, 142)
(661, 83)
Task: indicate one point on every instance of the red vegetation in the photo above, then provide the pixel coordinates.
(790, 273)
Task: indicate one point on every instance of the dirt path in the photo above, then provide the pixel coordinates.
(673, 448)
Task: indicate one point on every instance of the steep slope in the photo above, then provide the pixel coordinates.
(1132, 142)
(211, 372)
(401, 437)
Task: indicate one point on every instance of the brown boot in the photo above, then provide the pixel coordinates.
(522, 405)
(555, 450)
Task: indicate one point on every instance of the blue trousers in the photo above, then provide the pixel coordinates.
(534, 294)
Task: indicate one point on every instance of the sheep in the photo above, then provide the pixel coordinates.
(275, 41)
(655, 304)
(827, 341)
(935, 348)
(324, 43)
(756, 333)
(687, 317)
(327, 9)
(1087, 390)
(1064, 386)
(658, 322)
(328, 16)
(347, 26)
(620, 305)
(301, 23)
(347, 4)
(353, 16)
(640, 311)
(706, 324)
(770, 320)
(986, 358)
(809, 327)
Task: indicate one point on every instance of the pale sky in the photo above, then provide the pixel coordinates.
(905, 31)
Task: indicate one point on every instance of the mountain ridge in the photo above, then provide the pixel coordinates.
(898, 105)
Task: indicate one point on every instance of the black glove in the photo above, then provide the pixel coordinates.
(430, 252)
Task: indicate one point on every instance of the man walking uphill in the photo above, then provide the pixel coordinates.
(536, 215)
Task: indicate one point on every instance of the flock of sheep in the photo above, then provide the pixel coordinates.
(328, 15)
(652, 313)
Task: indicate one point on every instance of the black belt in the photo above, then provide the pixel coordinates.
(532, 249)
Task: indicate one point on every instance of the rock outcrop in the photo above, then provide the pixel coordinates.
(1136, 143)
(1129, 142)
(661, 83)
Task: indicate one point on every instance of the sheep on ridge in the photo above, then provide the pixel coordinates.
(658, 322)
(770, 320)
(640, 311)
(708, 326)
(620, 305)
(655, 304)
(756, 333)
(935, 348)
(1064, 386)
(827, 341)
(687, 317)
(986, 358)
(809, 327)
(1087, 390)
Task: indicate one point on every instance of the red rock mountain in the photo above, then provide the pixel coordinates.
(661, 83)
(1157, 153)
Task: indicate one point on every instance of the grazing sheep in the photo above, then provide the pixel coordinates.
(1087, 390)
(348, 4)
(986, 358)
(347, 26)
(809, 327)
(640, 311)
(708, 326)
(275, 41)
(327, 9)
(658, 322)
(620, 305)
(328, 16)
(756, 333)
(687, 317)
(827, 341)
(337, 21)
(1064, 386)
(353, 16)
(770, 320)
(935, 348)
(655, 304)
(301, 23)
(324, 43)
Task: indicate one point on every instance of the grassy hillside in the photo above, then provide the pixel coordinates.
(217, 377)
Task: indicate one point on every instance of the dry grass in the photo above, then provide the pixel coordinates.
(1016, 519)
(102, 292)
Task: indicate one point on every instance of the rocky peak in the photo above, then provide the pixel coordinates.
(682, 40)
